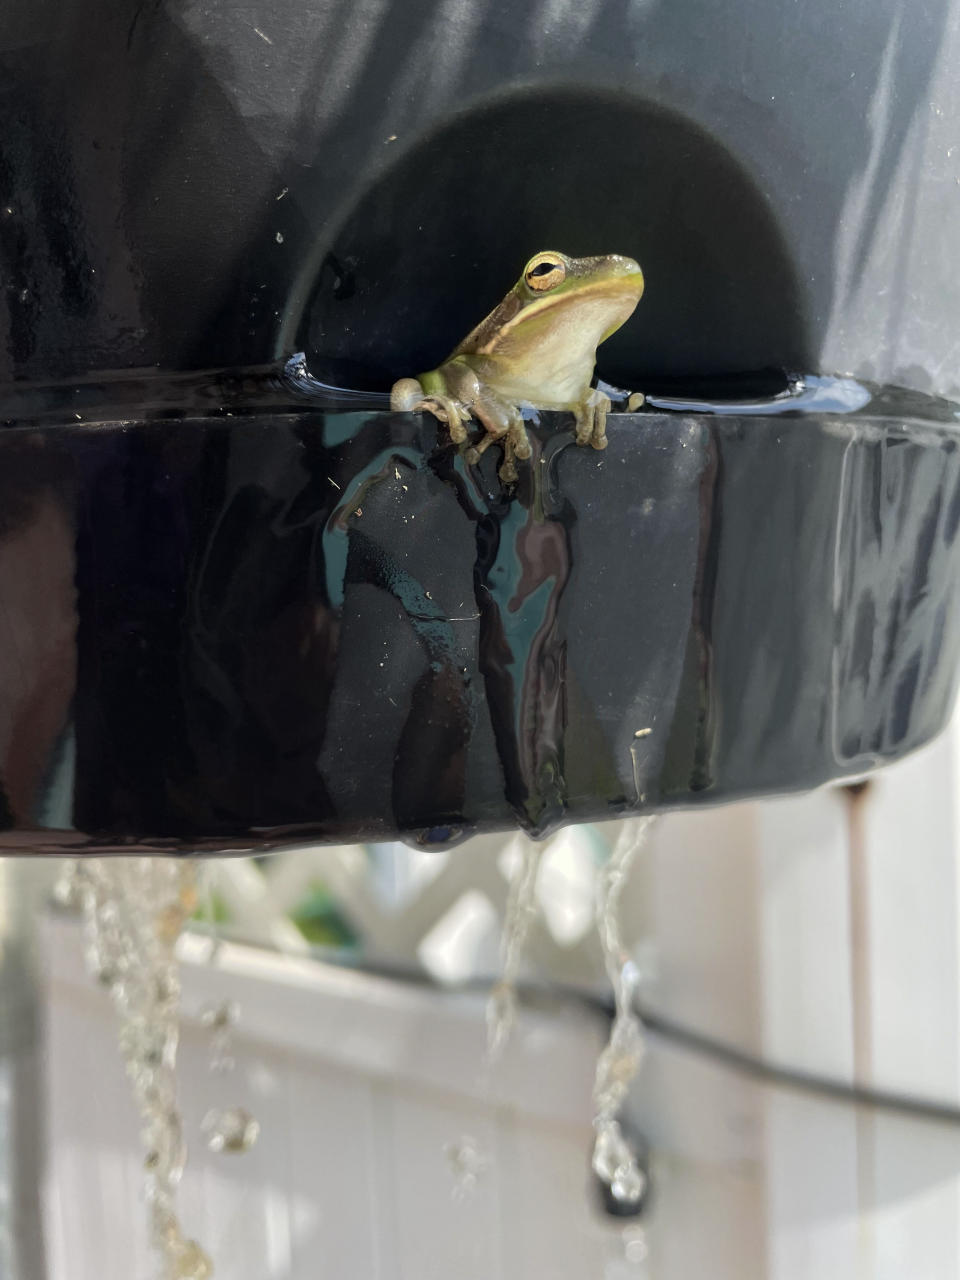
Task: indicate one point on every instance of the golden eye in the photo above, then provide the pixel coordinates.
(545, 273)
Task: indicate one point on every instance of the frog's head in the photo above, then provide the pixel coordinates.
(596, 295)
(551, 279)
(554, 274)
(557, 313)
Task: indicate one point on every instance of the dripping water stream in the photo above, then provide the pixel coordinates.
(613, 1160)
(134, 911)
(519, 914)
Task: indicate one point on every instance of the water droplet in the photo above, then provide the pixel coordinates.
(467, 1163)
(191, 1263)
(216, 1016)
(635, 1247)
(610, 1152)
(615, 1164)
(67, 890)
(221, 1019)
(628, 1184)
(501, 1015)
(231, 1129)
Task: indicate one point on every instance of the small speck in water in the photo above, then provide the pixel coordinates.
(279, 237)
(263, 35)
(282, 194)
(642, 733)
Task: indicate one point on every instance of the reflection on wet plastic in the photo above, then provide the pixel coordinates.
(259, 619)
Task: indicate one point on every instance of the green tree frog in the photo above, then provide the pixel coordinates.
(536, 349)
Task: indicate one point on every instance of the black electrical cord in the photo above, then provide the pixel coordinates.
(758, 1068)
(676, 1033)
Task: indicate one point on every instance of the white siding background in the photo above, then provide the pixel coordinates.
(819, 932)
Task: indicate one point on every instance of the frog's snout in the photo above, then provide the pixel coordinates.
(627, 266)
(627, 270)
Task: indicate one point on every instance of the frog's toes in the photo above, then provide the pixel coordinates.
(519, 442)
(599, 441)
(439, 411)
(446, 410)
(471, 456)
(636, 401)
(584, 431)
(508, 471)
(428, 405)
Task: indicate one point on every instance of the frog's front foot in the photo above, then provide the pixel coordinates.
(519, 440)
(516, 444)
(508, 467)
(450, 412)
(503, 423)
(592, 420)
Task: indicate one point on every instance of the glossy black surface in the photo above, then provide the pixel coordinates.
(189, 184)
(192, 623)
(228, 632)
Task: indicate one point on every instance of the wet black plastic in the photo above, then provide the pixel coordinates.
(191, 619)
(189, 185)
(236, 631)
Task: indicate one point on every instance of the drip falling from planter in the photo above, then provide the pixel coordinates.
(134, 911)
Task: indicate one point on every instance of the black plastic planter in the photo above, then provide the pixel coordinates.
(283, 625)
(232, 617)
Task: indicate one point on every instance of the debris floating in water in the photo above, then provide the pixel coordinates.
(614, 1162)
(134, 911)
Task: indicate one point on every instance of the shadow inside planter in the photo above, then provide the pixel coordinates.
(408, 271)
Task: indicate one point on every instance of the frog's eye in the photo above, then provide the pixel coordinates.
(545, 273)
